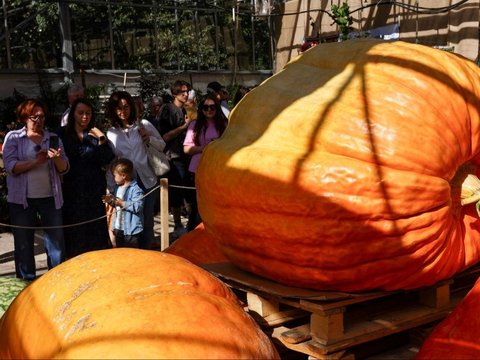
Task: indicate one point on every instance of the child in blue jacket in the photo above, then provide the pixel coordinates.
(127, 199)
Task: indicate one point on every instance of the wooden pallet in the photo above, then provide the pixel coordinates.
(327, 324)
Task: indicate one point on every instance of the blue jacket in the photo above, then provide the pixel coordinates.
(132, 212)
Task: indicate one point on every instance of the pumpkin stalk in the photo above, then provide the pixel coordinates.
(470, 192)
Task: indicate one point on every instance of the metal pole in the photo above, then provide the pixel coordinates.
(235, 32)
(252, 19)
(112, 50)
(177, 33)
(197, 38)
(157, 52)
(7, 36)
(215, 20)
(67, 52)
(164, 226)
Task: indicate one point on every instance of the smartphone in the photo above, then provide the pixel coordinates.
(54, 142)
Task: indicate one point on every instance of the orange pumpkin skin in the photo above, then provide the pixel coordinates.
(196, 246)
(458, 336)
(334, 173)
(129, 303)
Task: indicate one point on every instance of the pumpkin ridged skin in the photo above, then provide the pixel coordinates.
(129, 303)
(196, 246)
(457, 336)
(334, 173)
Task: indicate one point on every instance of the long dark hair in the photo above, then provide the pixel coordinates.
(70, 127)
(201, 123)
(114, 102)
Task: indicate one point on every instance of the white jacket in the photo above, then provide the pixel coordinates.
(127, 143)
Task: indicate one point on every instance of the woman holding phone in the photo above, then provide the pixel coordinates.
(34, 160)
(83, 187)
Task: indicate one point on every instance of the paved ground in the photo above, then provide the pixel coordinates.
(7, 265)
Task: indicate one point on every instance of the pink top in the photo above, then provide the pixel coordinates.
(209, 135)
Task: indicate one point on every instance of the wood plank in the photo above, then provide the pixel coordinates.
(309, 347)
(279, 318)
(296, 335)
(436, 296)
(389, 323)
(262, 306)
(231, 273)
(327, 328)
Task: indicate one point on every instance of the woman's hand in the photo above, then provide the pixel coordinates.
(53, 153)
(143, 133)
(56, 156)
(98, 134)
(41, 157)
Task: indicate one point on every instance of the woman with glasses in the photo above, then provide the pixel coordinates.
(34, 159)
(128, 137)
(88, 152)
(209, 125)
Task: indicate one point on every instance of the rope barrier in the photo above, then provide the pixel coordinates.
(86, 221)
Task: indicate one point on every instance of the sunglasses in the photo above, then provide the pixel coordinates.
(36, 118)
(209, 107)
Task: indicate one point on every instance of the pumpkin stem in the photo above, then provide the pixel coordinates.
(469, 185)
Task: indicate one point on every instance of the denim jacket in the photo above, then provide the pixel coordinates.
(132, 212)
(14, 149)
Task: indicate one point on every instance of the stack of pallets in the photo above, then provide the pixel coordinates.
(331, 325)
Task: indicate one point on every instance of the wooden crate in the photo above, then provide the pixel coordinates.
(328, 324)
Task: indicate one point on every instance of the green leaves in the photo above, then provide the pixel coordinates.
(341, 16)
(9, 289)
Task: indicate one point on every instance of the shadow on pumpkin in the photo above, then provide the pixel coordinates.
(337, 177)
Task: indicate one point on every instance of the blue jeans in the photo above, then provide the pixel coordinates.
(146, 240)
(24, 238)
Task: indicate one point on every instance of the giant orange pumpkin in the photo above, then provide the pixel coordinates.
(336, 172)
(129, 303)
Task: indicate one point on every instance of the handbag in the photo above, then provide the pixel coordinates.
(157, 160)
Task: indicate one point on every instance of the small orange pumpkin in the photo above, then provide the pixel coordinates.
(129, 303)
(197, 247)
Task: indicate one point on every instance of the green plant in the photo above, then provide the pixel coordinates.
(152, 84)
(8, 106)
(341, 16)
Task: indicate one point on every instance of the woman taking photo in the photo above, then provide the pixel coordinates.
(34, 160)
(84, 185)
(128, 137)
(210, 125)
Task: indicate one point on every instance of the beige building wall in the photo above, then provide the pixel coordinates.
(458, 28)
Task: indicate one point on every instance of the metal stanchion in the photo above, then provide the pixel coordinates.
(164, 227)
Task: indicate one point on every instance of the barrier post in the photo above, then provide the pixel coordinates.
(164, 226)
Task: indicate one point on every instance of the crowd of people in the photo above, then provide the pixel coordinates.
(91, 189)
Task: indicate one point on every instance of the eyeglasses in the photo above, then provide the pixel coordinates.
(209, 107)
(36, 118)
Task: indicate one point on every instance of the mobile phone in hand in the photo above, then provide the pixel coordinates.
(53, 142)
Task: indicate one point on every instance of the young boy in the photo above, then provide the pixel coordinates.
(127, 199)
